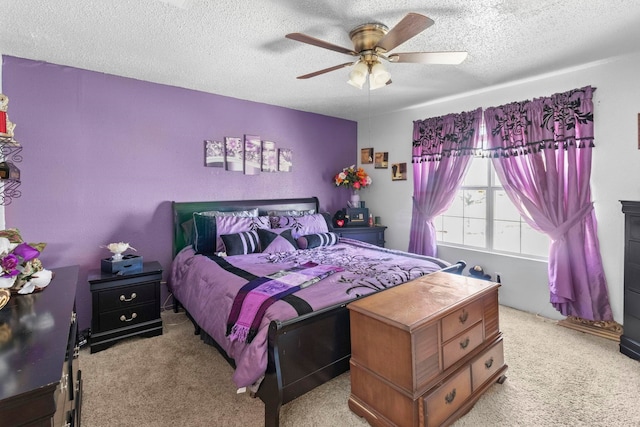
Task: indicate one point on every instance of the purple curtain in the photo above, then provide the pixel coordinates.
(541, 151)
(442, 149)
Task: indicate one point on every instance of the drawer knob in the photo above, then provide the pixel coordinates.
(123, 318)
(464, 316)
(464, 344)
(450, 396)
(488, 363)
(125, 299)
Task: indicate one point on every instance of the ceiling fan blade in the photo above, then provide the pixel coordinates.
(410, 26)
(451, 58)
(320, 43)
(326, 70)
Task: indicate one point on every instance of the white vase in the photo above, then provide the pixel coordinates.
(354, 202)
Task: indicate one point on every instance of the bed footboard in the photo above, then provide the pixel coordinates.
(306, 352)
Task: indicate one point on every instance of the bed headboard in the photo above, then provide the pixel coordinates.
(183, 212)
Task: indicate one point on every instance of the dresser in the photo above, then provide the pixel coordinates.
(125, 305)
(41, 382)
(422, 353)
(373, 235)
(630, 339)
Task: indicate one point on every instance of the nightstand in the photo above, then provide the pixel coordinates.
(125, 305)
(373, 235)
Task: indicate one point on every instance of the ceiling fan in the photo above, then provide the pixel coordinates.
(372, 43)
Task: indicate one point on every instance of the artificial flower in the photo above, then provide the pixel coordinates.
(351, 177)
(20, 268)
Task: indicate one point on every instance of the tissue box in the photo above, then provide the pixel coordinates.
(128, 264)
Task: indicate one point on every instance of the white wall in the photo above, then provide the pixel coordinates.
(615, 173)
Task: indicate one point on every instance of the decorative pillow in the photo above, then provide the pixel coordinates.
(208, 229)
(301, 225)
(311, 241)
(278, 240)
(243, 213)
(246, 242)
(292, 212)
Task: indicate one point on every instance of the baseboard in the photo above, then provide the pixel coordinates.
(606, 329)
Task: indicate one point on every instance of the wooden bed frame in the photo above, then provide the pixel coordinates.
(324, 334)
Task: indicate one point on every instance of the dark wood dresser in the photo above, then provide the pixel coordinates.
(41, 382)
(630, 339)
(373, 235)
(422, 353)
(125, 305)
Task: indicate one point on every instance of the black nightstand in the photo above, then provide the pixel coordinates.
(373, 235)
(125, 306)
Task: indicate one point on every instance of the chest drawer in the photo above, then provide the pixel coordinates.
(446, 399)
(128, 316)
(462, 345)
(460, 320)
(127, 296)
(487, 364)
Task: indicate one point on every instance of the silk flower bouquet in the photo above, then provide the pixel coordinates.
(352, 178)
(22, 271)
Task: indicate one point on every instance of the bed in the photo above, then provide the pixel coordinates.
(303, 339)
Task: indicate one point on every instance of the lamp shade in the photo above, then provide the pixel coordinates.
(358, 75)
(379, 76)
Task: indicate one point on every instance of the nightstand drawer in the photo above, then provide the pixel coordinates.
(462, 345)
(487, 365)
(128, 316)
(443, 402)
(127, 296)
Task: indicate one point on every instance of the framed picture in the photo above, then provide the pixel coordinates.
(285, 159)
(269, 157)
(381, 160)
(252, 154)
(214, 154)
(399, 172)
(234, 153)
(366, 156)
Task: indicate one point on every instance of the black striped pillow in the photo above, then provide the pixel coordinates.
(246, 242)
(311, 241)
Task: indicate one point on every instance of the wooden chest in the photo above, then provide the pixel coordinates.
(422, 353)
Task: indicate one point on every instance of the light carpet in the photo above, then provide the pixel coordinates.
(556, 377)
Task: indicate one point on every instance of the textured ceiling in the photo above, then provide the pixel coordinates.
(238, 49)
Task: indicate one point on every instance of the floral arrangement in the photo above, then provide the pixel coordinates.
(352, 178)
(21, 270)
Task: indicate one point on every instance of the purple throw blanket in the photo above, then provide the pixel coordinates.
(256, 296)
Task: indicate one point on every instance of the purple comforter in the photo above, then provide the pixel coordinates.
(207, 290)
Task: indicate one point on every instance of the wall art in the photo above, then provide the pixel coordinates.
(234, 153)
(399, 172)
(381, 160)
(252, 154)
(285, 160)
(366, 156)
(214, 154)
(269, 157)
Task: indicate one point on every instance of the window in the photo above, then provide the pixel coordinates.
(482, 216)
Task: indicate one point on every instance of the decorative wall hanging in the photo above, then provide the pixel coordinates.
(366, 156)
(269, 157)
(214, 154)
(381, 160)
(285, 159)
(252, 154)
(399, 172)
(234, 153)
(10, 150)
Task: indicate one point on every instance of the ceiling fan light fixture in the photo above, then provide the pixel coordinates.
(379, 76)
(358, 75)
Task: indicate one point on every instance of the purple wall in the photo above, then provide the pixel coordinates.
(104, 156)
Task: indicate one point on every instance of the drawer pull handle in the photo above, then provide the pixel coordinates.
(488, 363)
(464, 316)
(125, 299)
(123, 318)
(464, 344)
(449, 397)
